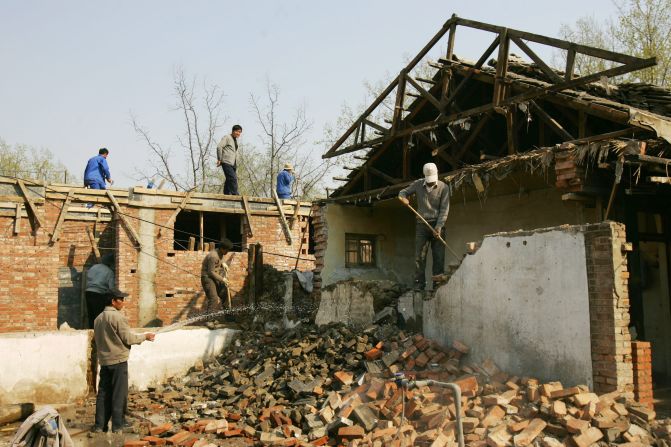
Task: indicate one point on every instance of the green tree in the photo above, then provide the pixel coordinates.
(28, 162)
(642, 28)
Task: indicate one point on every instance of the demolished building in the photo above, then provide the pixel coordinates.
(561, 179)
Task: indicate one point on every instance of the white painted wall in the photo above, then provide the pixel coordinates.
(51, 367)
(43, 367)
(522, 301)
(173, 353)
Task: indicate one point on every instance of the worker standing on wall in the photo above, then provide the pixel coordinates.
(214, 277)
(97, 171)
(433, 203)
(99, 284)
(227, 158)
(114, 339)
(285, 179)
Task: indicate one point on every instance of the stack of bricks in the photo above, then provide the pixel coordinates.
(320, 239)
(642, 358)
(570, 176)
(607, 278)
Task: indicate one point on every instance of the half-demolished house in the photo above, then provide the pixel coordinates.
(563, 181)
(51, 233)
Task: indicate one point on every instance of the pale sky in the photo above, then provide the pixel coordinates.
(74, 71)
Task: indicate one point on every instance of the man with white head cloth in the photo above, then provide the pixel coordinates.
(433, 203)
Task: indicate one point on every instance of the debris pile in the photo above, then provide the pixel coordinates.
(334, 386)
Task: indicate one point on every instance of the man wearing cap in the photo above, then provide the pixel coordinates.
(114, 339)
(97, 171)
(227, 158)
(213, 275)
(284, 181)
(99, 284)
(433, 203)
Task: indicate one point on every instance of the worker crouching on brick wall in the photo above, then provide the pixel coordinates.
(113, 339)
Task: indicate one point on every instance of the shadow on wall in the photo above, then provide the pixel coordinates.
(70, 298)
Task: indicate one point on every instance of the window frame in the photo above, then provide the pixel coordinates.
(358, 238)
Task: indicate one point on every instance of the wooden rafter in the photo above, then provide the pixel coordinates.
(55, 235)
(173, 216)
(388, 178)
(135, 238)
(37, 221)
(500, 98)
(94, 244)
(551, 122)
(283, 219)
(248, 216)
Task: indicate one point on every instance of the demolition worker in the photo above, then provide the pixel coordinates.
(213, 275)
(97, 171)
(433, 202)
(284, 181)
(227, 158)
(114, 339)
(99, 284)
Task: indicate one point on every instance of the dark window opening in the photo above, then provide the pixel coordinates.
(311, 236)
(360, 250)
(215, 226)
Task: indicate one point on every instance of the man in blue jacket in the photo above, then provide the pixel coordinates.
(97, 171)
(284, 181)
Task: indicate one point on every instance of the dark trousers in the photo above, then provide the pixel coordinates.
(112, 396)
(95, 304)
(214, 293)
(231, 183)
(423, 238)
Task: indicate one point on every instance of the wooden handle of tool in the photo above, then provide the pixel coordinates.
(440, 238)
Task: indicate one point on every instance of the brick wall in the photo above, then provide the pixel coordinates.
(641, 354)
(609, 307)
(321, 237)
(29, 275)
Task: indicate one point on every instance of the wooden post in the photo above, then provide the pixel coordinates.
(17, 218)
(251, 274)
(501, 67)
(248, 216)
(31, 205)
(510, 126)
(55, 235)
(83, 311)
(295, 216)
(201, 234)
(173, 217)
(192, 243)
(283, 219)
(131, 231)
(450, 41)
(258, 268)
(398, 106)
(94, 245)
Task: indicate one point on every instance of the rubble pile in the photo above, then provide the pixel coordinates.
(334, 386)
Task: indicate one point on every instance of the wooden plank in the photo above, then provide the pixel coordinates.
(94, 244)
(201, 233)
(129, 228)
(511, 131)
(425, 94)
(294, 218)
(383, 176)
(551, 122)
(173, 216)
(283, 219)
(550, 73)
(368, 122)
(17, 219)
(31, 205)
(662, 180)
(55, 235)
(248, 216)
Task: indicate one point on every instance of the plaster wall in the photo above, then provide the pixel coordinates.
(44, 367)
(521, 300)
(394, 231)
(173, 354)
(540, 208)
(52, 367)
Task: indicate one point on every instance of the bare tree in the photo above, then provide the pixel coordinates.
(201, 110)
(281, 141)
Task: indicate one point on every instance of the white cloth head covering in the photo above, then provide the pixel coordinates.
(430, 173)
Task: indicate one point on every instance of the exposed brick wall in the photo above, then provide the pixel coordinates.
(609, 307)
(641, 354)
(29, 280)
(321, 237)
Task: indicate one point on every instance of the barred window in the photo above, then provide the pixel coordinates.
(359, 250)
